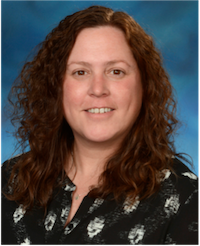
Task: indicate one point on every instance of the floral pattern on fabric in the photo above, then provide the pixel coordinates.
(64, 214)
(136, 234)
(128, 207)
(71, 226)
(26, 242)
(69, 188)
(18, 214)
(167, 173)
(170, 216)
(50, 221)
(172, 205)
(95, 227)
(97, 203)
(190, 175)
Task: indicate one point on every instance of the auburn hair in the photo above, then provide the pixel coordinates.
(135, 169)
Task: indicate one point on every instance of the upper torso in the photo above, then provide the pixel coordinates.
(167, 217)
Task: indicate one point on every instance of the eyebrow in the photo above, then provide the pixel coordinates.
(107, 63)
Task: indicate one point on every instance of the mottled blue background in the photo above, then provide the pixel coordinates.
(174, 26)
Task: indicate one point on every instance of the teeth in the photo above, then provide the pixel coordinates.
(99, 110)
(96, 110)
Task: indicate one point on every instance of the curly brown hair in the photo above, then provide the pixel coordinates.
(134, 169)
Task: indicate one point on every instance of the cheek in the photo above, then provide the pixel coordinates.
(68, 100)
(73, 99)
(130, 94)
(71, 95)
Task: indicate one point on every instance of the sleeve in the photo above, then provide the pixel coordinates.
(183, 228)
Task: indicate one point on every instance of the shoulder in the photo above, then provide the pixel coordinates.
(7, 167)
(8, 164)
(182, 170)
(183, 176)
(181, 204)
(180, 182)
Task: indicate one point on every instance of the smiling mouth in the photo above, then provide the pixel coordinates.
(99, 110)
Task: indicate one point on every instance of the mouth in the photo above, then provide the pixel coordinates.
(99, 110)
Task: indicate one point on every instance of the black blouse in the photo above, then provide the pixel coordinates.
(168, 217)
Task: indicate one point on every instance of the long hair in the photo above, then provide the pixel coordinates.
(134, 170)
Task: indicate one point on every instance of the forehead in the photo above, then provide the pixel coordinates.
(101, 43)
(102, 31)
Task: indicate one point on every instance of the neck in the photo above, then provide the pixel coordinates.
(90, 158)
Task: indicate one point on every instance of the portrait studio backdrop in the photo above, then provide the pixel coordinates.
(173, 25)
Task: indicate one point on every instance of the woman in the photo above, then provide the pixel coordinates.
(96, 107)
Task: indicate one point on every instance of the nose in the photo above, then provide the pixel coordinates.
(99, 86)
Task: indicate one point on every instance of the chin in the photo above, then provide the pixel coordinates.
(102, 137)
(99, 139)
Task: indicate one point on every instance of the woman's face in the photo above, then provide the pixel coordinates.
(102, 90)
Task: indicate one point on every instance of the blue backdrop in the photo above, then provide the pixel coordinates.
(173, 25)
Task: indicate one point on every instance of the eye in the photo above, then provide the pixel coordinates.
(117, 73)
(80, 73)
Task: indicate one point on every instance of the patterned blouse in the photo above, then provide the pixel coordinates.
(167, 217)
